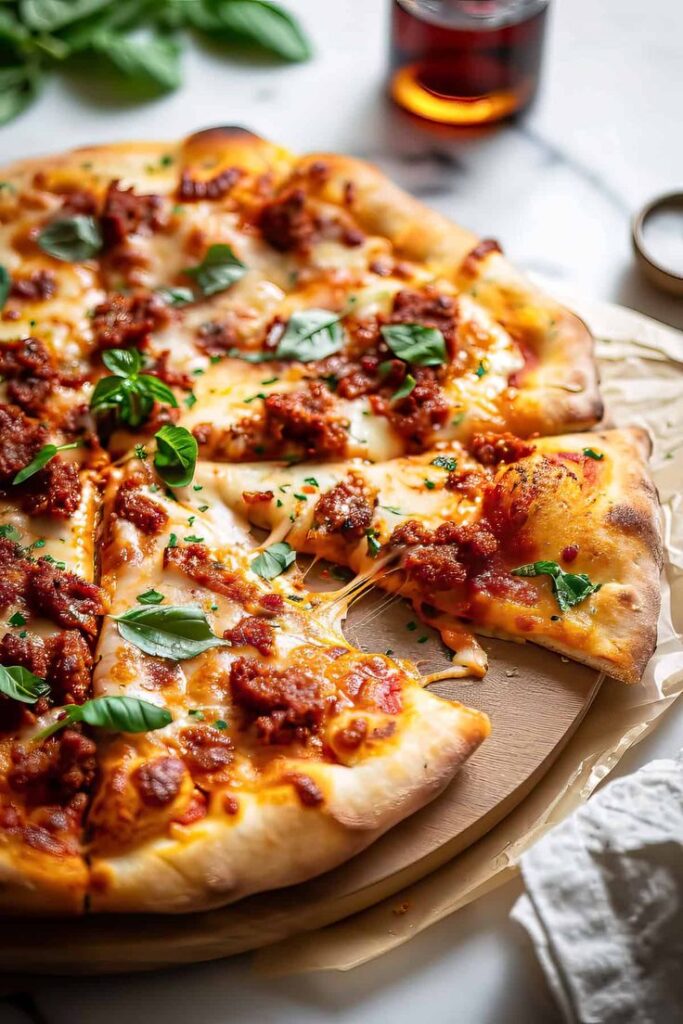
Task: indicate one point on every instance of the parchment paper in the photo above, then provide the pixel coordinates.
(641, 365)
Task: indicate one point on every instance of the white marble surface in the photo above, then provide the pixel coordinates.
(558, 190)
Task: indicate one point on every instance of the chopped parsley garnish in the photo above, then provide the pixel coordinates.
(429, 484)
(374, 545)
(17, 619)
(592, 454)
(481, 370)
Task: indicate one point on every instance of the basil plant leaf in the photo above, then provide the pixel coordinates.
(115, 714)
(155, 61)
(19, 84)
(50, 15)
(258, 23)
(405, 389)
(169, 632)
(311, 334)
(218, 270)
(5, 282)
(274, 560)
(18, 683)
(130, 393)
(421, 346)
(569, 588)
(71, 239)
(151, 596)
(176, 455)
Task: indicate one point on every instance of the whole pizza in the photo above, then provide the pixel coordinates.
(216, 356)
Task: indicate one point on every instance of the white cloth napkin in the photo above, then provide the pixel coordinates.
(604, 902)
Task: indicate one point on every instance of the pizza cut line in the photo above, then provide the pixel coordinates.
(205, 338)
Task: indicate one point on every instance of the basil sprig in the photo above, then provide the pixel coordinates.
(311, 334)
(20, 684)
(416, 344)
(569, 588)
(218, 270)
(129, 393)
(115, 714)
(274, 560)
(41, 459)
(71, 239)
(40, 35)
(176, 455)
(5, 282)
(169, 632)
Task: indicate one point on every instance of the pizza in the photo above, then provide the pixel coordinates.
(551, 540)
(216, 356)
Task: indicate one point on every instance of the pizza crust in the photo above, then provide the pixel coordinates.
(275, 840)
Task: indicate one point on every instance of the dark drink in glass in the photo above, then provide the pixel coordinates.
(466, 62)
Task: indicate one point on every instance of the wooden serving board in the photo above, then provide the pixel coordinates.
(535, 699)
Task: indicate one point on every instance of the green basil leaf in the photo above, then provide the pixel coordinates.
(155, 61)
(374, 546)
(311, 334)
(406, 388)
(50, 15)
(274, 560)
(257, 23)
(445, 462)
(156, 387)
(218, 270)
(5, 282)
(122, 714)
(569, 588)
(421, 346)
(169, 632)
(592, 454)
(71, 239)
(150, 596)
(124, 362)
(20, 684)
(46, 453)
(176, 296)
(10, 532)
(176, 455)
(107, 394)
(19, 86)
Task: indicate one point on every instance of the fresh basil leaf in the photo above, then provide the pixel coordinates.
(150, 596)
(169, 632)
(46, 453)
(176, 455)
(569, 588)
(124, 362)
(115, 714)
(18, 683)
(155, 61)
(157, 388)
(274, 560)
(5, 282)
(19, 86)
(50, 15)
(257, 23)
(406, 388)
(416, 344)
(311, 334)
(218, 270)
(71, 239)
(445, 462)
(176, 296)
(588, 452)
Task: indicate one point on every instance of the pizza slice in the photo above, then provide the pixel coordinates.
(287, 751)
(51, 609)
(554, 540)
